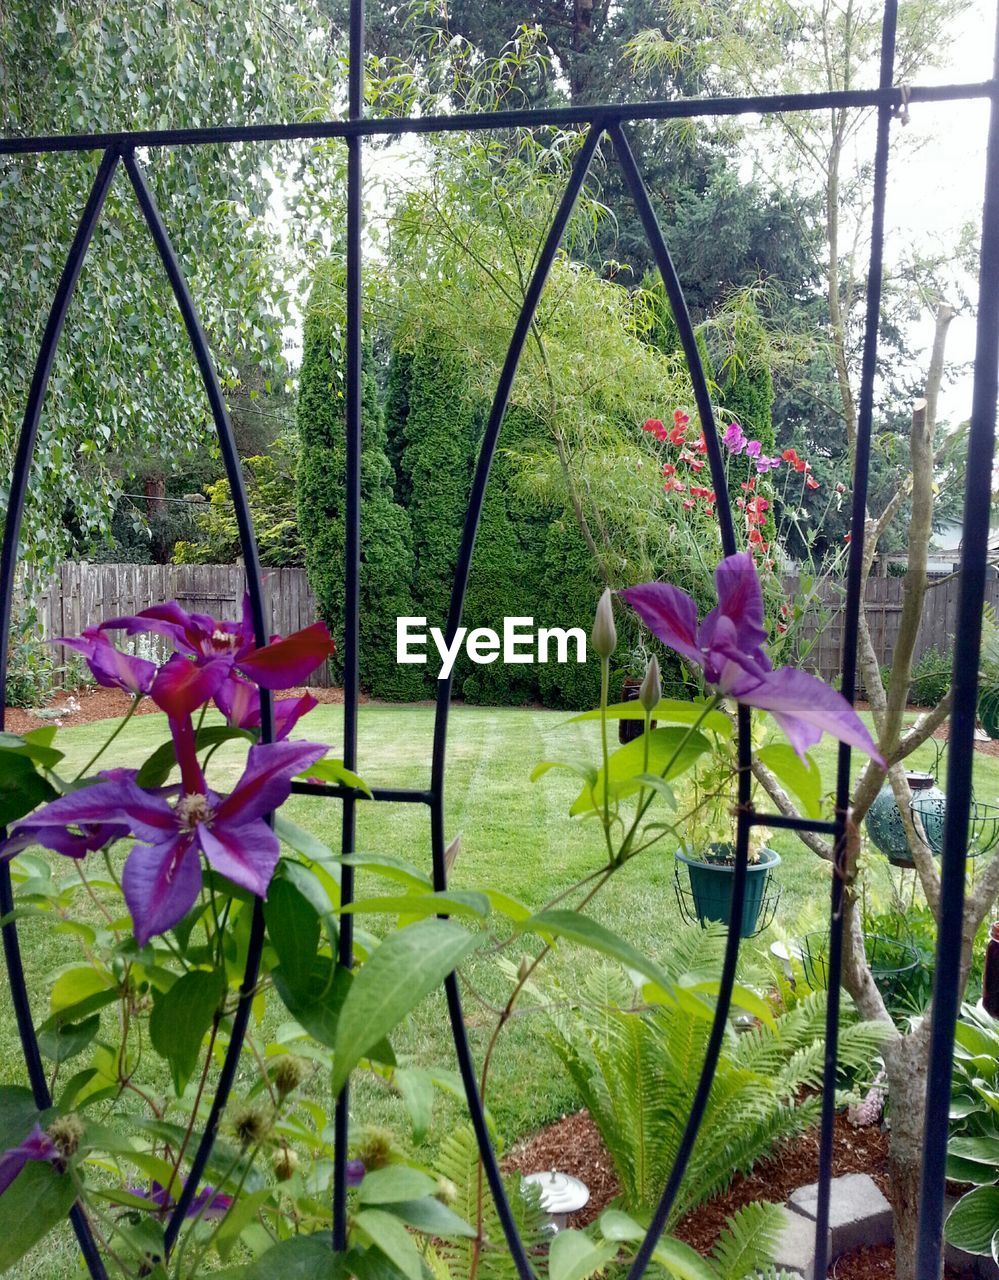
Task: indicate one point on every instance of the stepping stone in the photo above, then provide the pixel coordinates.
(858, 1212)
(795, 1251)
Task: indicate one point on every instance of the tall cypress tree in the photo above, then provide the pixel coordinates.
(386, 536)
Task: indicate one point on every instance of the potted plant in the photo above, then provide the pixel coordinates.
(634, 673)
(709, 858)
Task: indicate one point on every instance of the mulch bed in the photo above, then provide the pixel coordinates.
(97, 703)
(573, 1145)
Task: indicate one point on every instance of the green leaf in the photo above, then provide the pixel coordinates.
(982, 1148)
(335, 771)
(18, 1113)
(156, 768)
(37, 1201)
(301, 840)
(180, 1018)
(387, 1233)
(431, 1217)
(239, 1217)
(669, 711)
(383, 864)
(575, 927)
(581, 770)
(679, 1259)
(395, 1182)
(959, 1170)
(79, 985)
(299, 1258)
(801, 777)
(59, 1040)
(294, 930)
(974, 1220)
(627, 764)
(22, 787)
(452, 902)
(574, 1256)
(417, 1090)
(410, 963)
(36, 745)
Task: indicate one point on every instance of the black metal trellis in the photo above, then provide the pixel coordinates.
(600, 121)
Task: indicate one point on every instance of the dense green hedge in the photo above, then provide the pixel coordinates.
(386, 536)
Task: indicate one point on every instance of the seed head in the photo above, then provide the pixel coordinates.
(67, 1133)
(288, 1075)
(285, 1163)
(250, 1127)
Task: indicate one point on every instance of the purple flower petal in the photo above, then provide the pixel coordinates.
(754, 448)
(161, 884)
(92, 836)
(247, 854)
(355, 1172)
(36, 1146)
(805, 707)
(239, 702)
(119, 801)
(266, 782)
(109, 666)
(669, 613)
(287, 662)
(740, 600)
(181, 686)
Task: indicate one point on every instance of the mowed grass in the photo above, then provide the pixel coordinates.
(515, 836)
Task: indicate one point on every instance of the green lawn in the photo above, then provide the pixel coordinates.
(515, 835)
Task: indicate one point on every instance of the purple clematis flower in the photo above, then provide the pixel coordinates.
(728, 646)
(162, 874)
(239, 702)
(208, 1203)
(355, 1172)
(222, 647)
(36, 1146)
(108, 665)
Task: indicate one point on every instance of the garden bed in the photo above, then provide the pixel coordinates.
(97, 703)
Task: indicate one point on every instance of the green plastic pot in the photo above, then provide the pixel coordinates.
(711, 885)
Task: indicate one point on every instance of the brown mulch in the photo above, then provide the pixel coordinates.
(877, 1262)
(97, 703)
(573, 1145)
(985, 746)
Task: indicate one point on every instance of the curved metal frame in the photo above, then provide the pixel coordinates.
(600, 121)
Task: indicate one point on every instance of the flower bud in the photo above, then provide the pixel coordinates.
(285, 1164)
(604, 634)
(651, 690)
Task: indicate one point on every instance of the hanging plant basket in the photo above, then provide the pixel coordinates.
(883, 822)
(983, 829)
(705, 895)
(892, 962)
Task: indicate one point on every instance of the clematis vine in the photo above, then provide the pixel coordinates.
(729, 647)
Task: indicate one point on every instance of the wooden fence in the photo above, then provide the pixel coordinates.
(85, 594)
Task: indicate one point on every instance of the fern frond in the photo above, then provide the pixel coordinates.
(747, 1242)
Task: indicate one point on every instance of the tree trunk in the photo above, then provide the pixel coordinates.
(905, 1064)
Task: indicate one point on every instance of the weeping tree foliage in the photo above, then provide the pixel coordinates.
(124, 378)
(386, 536)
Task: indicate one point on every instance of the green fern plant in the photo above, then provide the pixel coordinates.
(458, 1163)
(636, 1071)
